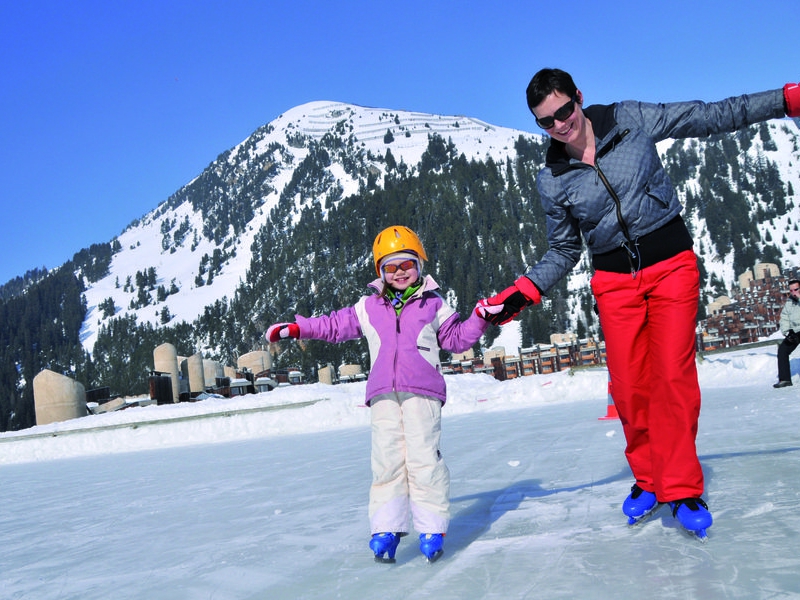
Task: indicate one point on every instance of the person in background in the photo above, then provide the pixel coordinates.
(603, 180)
(790, 328)
(406, 321)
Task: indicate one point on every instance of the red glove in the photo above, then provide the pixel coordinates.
(281, 331)
(506, 305)
(791, 97)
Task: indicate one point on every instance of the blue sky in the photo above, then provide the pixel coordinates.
(108, 107)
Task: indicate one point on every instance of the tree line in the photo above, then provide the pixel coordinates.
(481, 223)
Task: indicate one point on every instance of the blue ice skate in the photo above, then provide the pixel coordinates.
(384, 543)
(431, 544)
(693, 515)
(639, 504)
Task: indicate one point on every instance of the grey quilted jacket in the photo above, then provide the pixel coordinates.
(627, 194)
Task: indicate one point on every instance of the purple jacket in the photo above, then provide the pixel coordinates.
(404, 348)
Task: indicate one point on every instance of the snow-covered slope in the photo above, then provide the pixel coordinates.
(366, 127)
(173, 239)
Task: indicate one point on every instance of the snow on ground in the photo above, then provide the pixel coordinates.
(248, 499)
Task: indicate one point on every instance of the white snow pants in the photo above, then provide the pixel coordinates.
(409, 476)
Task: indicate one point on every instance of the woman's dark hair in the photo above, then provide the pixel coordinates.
(547, 81)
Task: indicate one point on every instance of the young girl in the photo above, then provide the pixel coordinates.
(405, 322)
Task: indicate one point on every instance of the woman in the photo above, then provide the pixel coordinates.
(603, 180)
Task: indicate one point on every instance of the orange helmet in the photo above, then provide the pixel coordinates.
(396, 238)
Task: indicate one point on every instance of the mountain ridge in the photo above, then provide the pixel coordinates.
(283, 222)
(367, 128)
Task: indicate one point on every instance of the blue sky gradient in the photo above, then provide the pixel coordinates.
(107, 108)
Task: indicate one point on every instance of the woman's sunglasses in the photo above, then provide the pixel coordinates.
(562, 114)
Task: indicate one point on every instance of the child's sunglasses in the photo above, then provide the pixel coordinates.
(406, 265)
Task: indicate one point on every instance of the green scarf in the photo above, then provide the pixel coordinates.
(398, 299)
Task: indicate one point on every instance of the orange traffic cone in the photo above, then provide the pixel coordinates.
(611, 410)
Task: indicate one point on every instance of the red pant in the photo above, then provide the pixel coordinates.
(649, 326)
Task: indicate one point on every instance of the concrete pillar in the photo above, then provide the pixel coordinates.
(325, 374)
(349, 371)
(183, 367)
(165, 360)
(196, 374)
(57, 398)
(256, 361)
(211, 370)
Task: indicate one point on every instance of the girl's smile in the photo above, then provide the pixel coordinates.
(400, 274)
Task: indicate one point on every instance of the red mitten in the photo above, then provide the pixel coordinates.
(281, 331)
(529, 289)
(506, 305)
(791, 96)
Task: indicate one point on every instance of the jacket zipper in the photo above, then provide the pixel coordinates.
(397, 339)
(630, 246)
(396, 351)
(397, 333)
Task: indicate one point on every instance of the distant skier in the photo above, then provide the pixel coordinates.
(406, 322)
(603, 181)
(790, 327)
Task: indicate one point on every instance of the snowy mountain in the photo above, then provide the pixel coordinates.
(209, 226)
(174, 237)
(283, 223)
